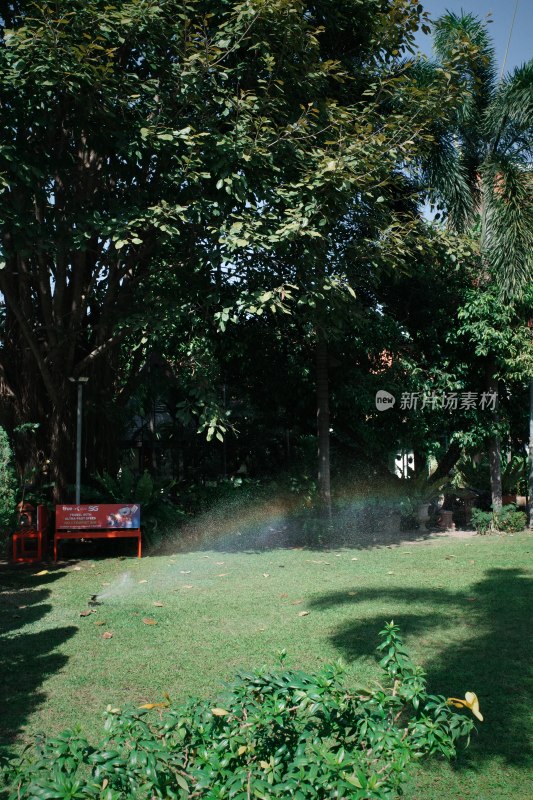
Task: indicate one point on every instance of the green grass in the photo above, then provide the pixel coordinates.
(464, 606)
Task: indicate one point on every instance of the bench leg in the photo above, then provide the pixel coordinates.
(139, 547)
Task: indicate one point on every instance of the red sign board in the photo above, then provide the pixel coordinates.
(98, 517)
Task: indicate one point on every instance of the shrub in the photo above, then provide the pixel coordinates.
(274, 734)
(482, 520)
(8, 485)
(508, 520)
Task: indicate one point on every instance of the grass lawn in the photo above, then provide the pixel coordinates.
(464, 605)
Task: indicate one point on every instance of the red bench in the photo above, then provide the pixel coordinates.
(98, 521)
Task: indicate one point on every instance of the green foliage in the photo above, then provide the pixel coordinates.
(282, 733)
(158, 513)
(483, 521)
(510, 520)
(8, 485)
(507, 520)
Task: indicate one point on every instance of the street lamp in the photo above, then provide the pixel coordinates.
(79, 381)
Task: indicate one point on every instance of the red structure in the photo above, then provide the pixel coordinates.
(29, 541)
(102, 521)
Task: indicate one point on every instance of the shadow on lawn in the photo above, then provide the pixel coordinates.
(26, 659)
(495, 661)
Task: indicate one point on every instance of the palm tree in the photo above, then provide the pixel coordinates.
(480, 168)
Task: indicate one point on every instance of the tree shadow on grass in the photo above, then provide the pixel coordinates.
(27, 658)
(494, 661)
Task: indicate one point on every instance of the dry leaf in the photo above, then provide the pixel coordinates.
(149, 706)
(390, 572)
(219, 563)
(99, 622)
(219, 712)
(297, 602)
(264, 764)
(242, 749)
(149, 621)
(42, 572)
(222, 574)
(185, 571)
(284, 594)
(266, 574)
(77, 569)
(355, 559)
(303, 613)
(107, 635)
(105, 784)
(86, 613)
(106, 583)
(352, 594)
(143, 581)
(157, 604)
(188, 586)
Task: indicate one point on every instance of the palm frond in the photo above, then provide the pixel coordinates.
(448, 181)
(462, 41)
(508, 223)
(511, 108)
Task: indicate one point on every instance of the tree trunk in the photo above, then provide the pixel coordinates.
(495, 473)
(447, 462)
(494, 446)
(322, 398)
(530, 489)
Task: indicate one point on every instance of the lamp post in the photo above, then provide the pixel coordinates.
(79, 381)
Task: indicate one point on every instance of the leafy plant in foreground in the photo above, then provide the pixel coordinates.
(274, 734)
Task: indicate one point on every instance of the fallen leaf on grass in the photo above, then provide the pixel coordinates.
(149, 706)
(188, 586)
(107, 635)
(266, 574)
(87, 613)
(99, 622)
(297, 602)
(352, 594)
(222, 574)
(76, 569)
(145, 581)
(355, 559)
(219, 563)
(390, 572)
(157, 604)
(185, 571)
(42, 572)
(303, 613)
(284, 594)
(219, 712)
(149, 621)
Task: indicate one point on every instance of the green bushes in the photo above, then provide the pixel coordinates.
(508, 520)
(274, 734)
(8, 485)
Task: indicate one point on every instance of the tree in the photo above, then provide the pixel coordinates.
(480, 170)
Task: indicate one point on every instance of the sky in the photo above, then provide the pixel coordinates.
(521, 46)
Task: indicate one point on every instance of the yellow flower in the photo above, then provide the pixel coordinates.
(470, 702)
